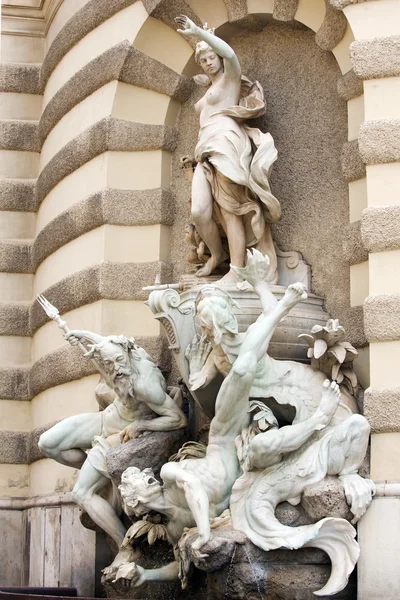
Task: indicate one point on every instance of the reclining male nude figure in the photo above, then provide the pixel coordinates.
(140, 404)
(196, 490)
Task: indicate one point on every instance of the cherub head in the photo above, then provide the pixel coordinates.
(139, 491)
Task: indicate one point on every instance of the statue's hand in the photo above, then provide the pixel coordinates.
(188, 27)
(130, 432)
(199, 542)
(197, 353)
(131, 574)
(256, 269)
(73, 336)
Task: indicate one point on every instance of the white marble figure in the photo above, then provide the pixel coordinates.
(196, 490)
(140, 404)
(290, 383)
(230, 181)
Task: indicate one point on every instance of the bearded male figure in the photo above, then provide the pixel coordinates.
(140, 404)
(196, 490)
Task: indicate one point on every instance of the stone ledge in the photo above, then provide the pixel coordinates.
(16, 256)
(21, 78)
(108, 206)
(14, 383)
(353, 166)
(379, 57)
(382, 318)
(14, 447)
(349, 86)
(19, 135)
(107, 134)
(332, 30)
(121, 63)
(14, 318)
(379, 141)
(353, 248)
(90, 16)
(380, 228)
(285, 10)
(17, 195)
(382, 409)
(107, 280)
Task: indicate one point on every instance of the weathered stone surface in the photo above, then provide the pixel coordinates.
(382, 318)
(14, 318)
(350, 86)
(382, 409)
(20, 78)
(19, 135)
(14, 383)
(326, 499)
(17, 194)
(353, 166)
(13, 447)
(285, 10)
(353, 247)
(149, 450)
(380, 228)
(332, 29)
(379, 141)
(379, 57)
(16, 256)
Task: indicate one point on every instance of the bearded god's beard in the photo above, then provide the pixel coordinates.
(124, 385)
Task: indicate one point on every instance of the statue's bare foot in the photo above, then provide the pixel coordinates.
(295, 293)
(359, 492)
(330, 399)
(231, 278)
(212, 263)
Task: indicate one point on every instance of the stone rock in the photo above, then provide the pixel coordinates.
(326, 499)
(149, 450)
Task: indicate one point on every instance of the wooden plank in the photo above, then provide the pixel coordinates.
(11, 563)
(36, 523)
(66, 545)
(52, 546)
(84, 554)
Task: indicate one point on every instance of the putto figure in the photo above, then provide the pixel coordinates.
(231, 179)
(141, 403)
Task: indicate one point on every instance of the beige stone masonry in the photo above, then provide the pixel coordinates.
(92, 14)
(353, 247)
(21, 49)
(109, 206)
(17, 225)
(123, 63)
(108, 134)
(332, 30)
(376, 19)
(17, 194)
(15, 415)
(380, 228)
(285, 10)
(352, 164)
(106, 280)
(357, 199)
(376, 58)
(16, 287)
(349, 86)
(385, 372)
(379, 141)
(341, 4)
(383, 181)
(47, 476)
(355, 117)
(359, 283)
(20, 106)
(382, 318)
(14, 383)
(14, 481)
(384, 269)
(385, 458)
(382, 98)
(341, 51)
(382, 409)
(20, 78)
(18, 164)
(19, 135)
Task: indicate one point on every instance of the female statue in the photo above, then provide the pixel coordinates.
(230, 183)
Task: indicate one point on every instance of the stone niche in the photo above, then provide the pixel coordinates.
(308, 121)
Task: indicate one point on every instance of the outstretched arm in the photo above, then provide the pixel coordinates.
(231, 62)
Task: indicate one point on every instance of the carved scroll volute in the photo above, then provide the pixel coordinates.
(176, 317)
